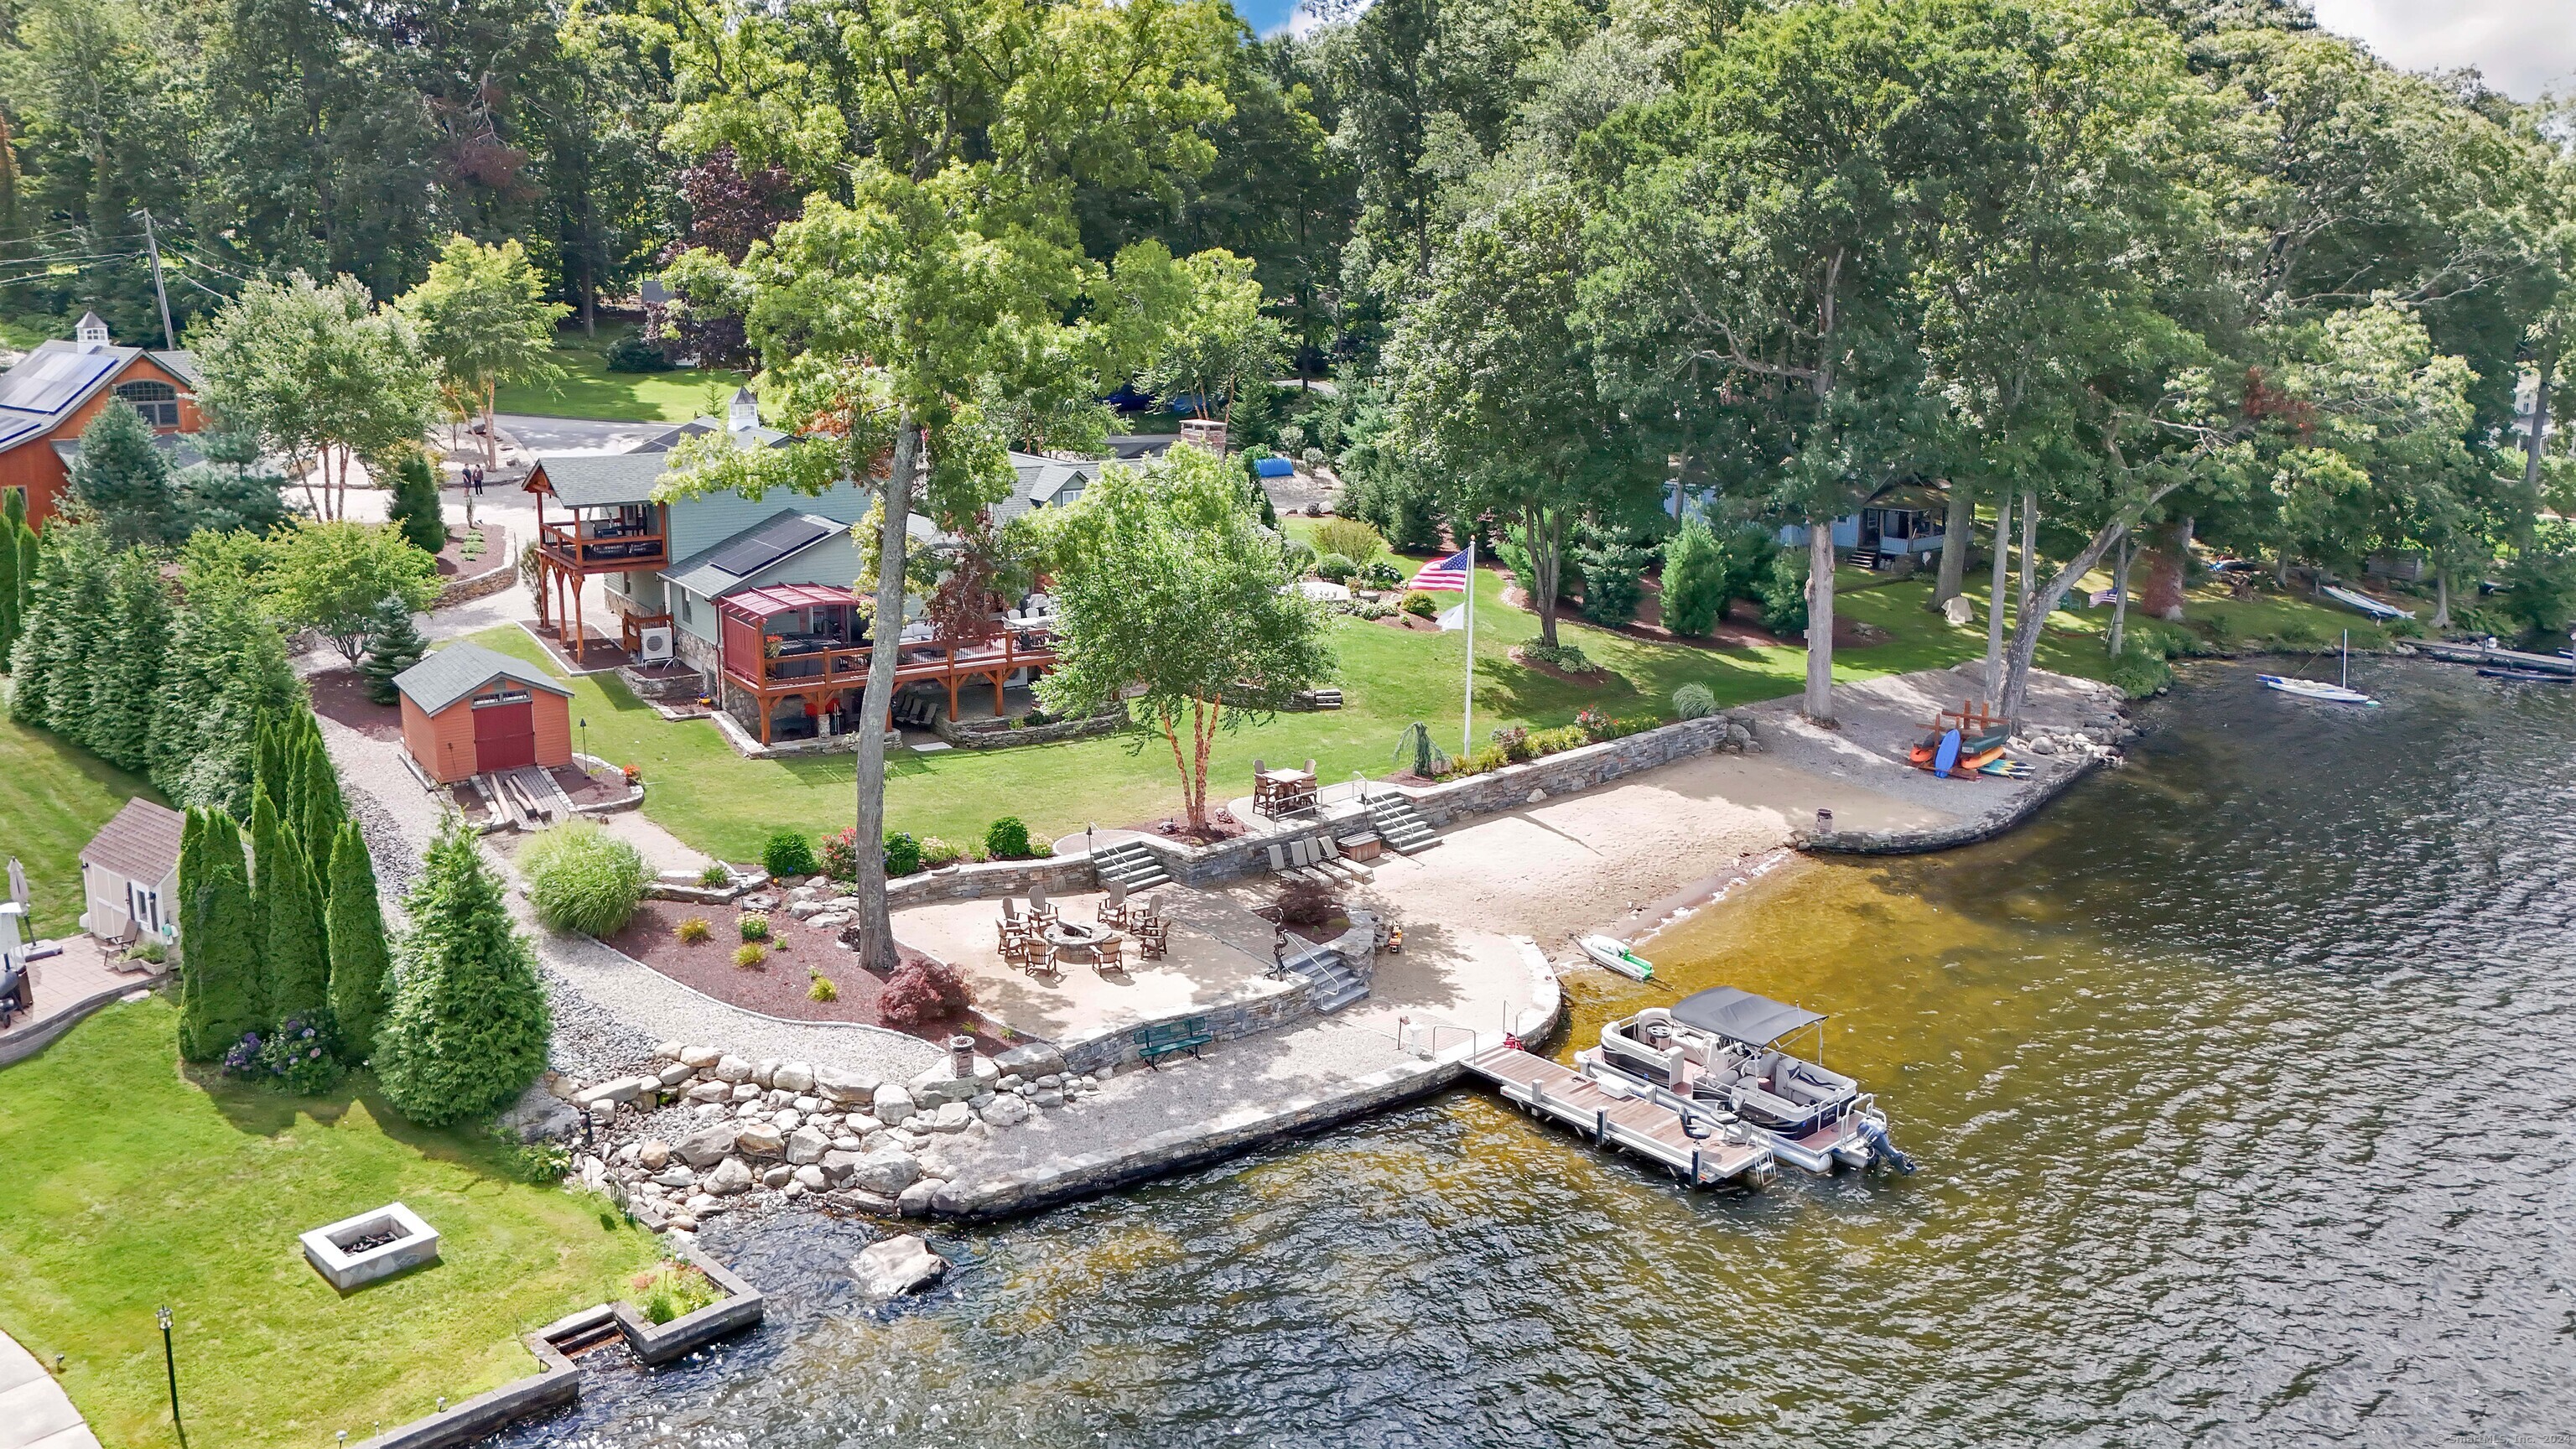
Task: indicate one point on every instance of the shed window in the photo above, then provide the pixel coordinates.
(157, 401)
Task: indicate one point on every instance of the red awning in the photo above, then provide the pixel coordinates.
(755, 605)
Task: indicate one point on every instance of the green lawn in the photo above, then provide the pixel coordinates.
(53, 797)
(589, 390)
(131, 1186)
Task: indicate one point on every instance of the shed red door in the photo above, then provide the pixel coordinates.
(505, 733)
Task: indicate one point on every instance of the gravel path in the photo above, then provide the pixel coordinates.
(609, 1010)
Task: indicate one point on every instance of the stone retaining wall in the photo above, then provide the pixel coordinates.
(1585, 768)
(1227, 1021)
(995, 734)
(483, 585)
(1067, 873)
(1986, 826)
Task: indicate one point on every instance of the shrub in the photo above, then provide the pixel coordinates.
(1568, 657)
(631, 353)
(1367, 610)
(1379, 574)
(535, 1164)
(1563, 737)
(1514, 743)
(581, 878)
(2540, 583)
(754, 926)
(414, 506)
(694, 931)
(1694, 581)
(467, 1030)
(902, 853)
(1351, 538)
(1783, 590)
(822, 988)
(1421, 605)
(716, 876)
(296, 1058)
(1300, 556)
(938, 854)
(750, 954)
(1694, 701)
(1007, 839)
(1334, 568)
(841, 854)
(1305, 903)
(2140, 672)
(1612, 572)
(1597, 726)
(786, 853)
(921, 993)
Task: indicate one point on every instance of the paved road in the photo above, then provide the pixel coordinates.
(576, 435)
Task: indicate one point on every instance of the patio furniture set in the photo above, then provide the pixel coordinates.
(1282, 792)
(1042, 940)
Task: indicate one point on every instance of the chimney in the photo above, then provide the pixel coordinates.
(744, 414)
(89, 331)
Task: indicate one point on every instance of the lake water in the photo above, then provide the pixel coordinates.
(2241, 1080)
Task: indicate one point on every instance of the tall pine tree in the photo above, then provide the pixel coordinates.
(357, 940)
(117, 724)
(466, 1031)
(220, 994)
(267, 846)
(317, 787)
(394, 644)
(299, 961)
(60, 634)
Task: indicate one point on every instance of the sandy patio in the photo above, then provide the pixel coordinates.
(1219, 955)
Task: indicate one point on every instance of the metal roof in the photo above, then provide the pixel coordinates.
(756, 604)
(1740, 1016)
(713, 570)
(601, 480)
(140, 843)
(460, 670)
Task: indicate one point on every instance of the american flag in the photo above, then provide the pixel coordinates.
(1444, 574)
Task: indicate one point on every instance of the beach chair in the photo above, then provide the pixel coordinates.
(1041, 910)
(1153, 938)
(1110, 956)
(1113, 907)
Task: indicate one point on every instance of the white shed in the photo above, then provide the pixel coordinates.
(130, 874)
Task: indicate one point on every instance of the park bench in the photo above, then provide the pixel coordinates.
(1170, 1038)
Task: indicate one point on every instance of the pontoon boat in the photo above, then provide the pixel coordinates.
(1719, 1049)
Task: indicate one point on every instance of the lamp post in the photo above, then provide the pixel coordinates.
(170, 1363)
(585, 744)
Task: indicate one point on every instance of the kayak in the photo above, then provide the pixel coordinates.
(1946, 758)
(1969, 744)
(1615, 955)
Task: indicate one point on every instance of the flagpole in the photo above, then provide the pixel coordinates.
(1467, 719)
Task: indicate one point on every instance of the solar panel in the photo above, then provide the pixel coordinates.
(774, 540)
(50, 381)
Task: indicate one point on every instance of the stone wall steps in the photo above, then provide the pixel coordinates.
(1399, 824)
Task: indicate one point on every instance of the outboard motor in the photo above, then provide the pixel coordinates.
(1882, 1148)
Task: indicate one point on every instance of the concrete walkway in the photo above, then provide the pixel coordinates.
(35, 1413)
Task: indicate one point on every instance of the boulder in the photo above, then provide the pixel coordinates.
(675, 1175)
(887, 1172)
(745, 1092)
(731, 1177)
(805, 1145)
(916, 1199)
(893, 1103)
(848, 1088)
(777, 1098)
(897, 1266)
(668, 1051)
(623, 1089)
(710, 1092)
(837, 1165)
(759, 1139)
(1048, 1098)
(540, 1114)
(674, 1074)
(1008, 1111)
(793, 1077)
(778, 1176)
(787, 1119)
(699, 1058)
(805, 909)
(732, 1069)
(812, 1178)
(705, 1203)
(807, 1105)
(705, 1147)
(653, 1154)
(1030, 1059)
(950, 1117)
(764, 1073)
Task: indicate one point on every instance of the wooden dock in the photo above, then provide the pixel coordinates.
(2481, 655)
(1634, 1125)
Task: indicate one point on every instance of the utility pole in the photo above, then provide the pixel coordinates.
(152, 243)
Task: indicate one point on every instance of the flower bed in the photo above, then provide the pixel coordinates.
(1520, 746)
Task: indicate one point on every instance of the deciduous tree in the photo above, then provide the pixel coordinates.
(483, 318)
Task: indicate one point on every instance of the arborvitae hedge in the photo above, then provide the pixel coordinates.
(357, 941)
(220, 992)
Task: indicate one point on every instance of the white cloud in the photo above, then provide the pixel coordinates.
(2522, 47)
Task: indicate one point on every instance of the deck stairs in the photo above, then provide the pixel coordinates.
(1330, 982)
(1864, 558)
(1399, 824)
(1130, 864)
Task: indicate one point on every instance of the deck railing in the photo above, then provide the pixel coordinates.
(585, 546)
(847, 668)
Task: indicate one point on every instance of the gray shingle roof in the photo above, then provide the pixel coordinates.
(459, 670)
(767, 437)
(1041, 481)
(603, 480)
(140, 843)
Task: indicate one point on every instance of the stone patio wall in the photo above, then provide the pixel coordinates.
(1586, 768)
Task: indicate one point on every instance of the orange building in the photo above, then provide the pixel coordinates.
(55, 390)
(468, 710)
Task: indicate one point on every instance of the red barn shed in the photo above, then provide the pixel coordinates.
(467, 710)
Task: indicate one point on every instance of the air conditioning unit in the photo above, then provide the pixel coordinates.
(657, 644)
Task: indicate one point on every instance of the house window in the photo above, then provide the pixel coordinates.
(157, 401)
(144, 904)
(686, 614)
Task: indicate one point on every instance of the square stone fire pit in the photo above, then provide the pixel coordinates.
(371, 1245)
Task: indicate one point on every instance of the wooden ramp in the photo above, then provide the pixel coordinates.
(1635, 1125)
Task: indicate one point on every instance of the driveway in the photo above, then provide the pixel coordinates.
(540, 435)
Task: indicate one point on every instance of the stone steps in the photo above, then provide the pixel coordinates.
(1399, 824)
(1131, 865)
(1331, 983)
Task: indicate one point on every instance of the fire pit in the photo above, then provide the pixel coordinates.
(1090, 941)
(372, 1245)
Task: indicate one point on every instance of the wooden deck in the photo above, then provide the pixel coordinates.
(1632, 1124)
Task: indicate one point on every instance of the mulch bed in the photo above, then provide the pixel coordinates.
(454, 565)
(1221, 826)
(340, 695)
(1521, 657)
(1410, 623)
(776, 987)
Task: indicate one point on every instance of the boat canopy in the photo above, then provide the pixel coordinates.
(1740, 1016)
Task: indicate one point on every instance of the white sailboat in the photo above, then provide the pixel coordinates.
(2319, 690)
